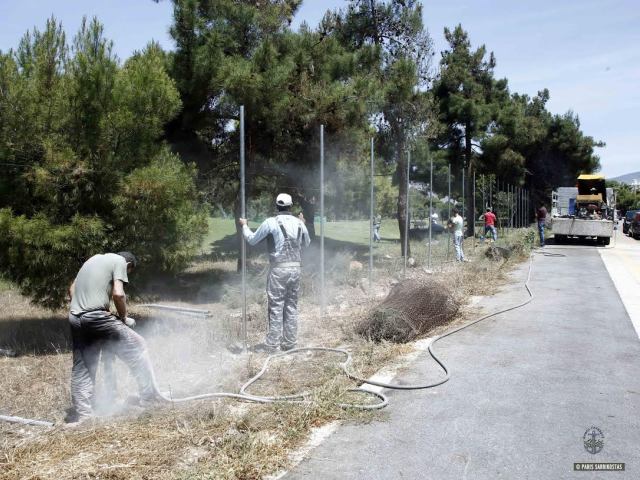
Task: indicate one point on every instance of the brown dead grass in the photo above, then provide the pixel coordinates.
(219, 439)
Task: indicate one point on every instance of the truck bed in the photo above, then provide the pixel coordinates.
(576, 227)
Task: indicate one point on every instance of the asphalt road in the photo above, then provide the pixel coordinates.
(526, 386)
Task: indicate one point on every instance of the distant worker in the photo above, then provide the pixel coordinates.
(377, 222)
(94, 329)
(285, 234)
(490, 223)
(541, 218)
(456, 225)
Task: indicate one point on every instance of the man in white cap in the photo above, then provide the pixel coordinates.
(285, 234)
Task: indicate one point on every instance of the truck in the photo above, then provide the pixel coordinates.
(586, 211)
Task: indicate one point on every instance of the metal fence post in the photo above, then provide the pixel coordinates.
(371, 213)
(322, 280)
(430, 205)
(406, 215)
(243, 245)
(473, 210)
(464, 212)
(448, 210)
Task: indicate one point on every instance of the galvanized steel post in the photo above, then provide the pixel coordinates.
(448, 210)
(371, 213)
(406, 215)
(430, 205)
(243, 247)
(322, 284)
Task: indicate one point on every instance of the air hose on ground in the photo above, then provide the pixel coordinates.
(294, 398)
(303, 397)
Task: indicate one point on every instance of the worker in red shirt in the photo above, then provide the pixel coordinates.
(490, 223)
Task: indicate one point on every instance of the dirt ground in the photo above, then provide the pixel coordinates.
(208, 438)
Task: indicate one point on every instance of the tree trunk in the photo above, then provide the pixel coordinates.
(469, 215)
(401, 172)
(309, 212)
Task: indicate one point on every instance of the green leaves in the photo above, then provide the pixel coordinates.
(158, 215)
(468, 96)
(43, 257)
(145, 99)
(86, 168)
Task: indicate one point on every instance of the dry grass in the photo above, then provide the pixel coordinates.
(207, 439)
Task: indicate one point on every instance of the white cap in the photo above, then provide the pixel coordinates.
(284, 200)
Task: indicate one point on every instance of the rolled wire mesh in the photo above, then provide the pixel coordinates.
(412, 309)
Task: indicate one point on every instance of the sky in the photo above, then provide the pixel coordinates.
(586, 52)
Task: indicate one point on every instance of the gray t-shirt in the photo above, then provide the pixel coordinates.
(94, 282)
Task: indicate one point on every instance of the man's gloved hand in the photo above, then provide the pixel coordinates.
(130, 322)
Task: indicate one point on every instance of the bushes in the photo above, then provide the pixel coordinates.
(158, 215)
(43, 258)
(86, 169)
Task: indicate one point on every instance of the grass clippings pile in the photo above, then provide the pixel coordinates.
(498, 253)
(412, 309)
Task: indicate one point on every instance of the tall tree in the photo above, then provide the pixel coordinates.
(87, 170)
(469, 100)
(400, 50)
(529, 146)
(289, 82)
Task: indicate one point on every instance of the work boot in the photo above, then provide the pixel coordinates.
(264, 348)
(286, 348)
(72, 419)
(153, 401)
(235, 348)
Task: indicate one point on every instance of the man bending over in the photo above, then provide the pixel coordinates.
(94, 328)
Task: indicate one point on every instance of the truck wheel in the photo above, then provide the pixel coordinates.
(606, 241)
(559, 239)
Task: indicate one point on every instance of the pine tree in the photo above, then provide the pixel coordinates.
(469, 99)
(86, 171)
(400, 51)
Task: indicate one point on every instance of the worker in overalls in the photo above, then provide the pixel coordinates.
(286, 234)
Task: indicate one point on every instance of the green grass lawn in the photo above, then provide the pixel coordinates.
(5, 285)
(357, 231)
(221, 232)
(354, 231)
(353, 236)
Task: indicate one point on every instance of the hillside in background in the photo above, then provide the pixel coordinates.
(627, 178)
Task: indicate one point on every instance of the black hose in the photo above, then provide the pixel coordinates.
(447, 375)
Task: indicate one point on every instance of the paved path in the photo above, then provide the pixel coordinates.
(526, 385)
